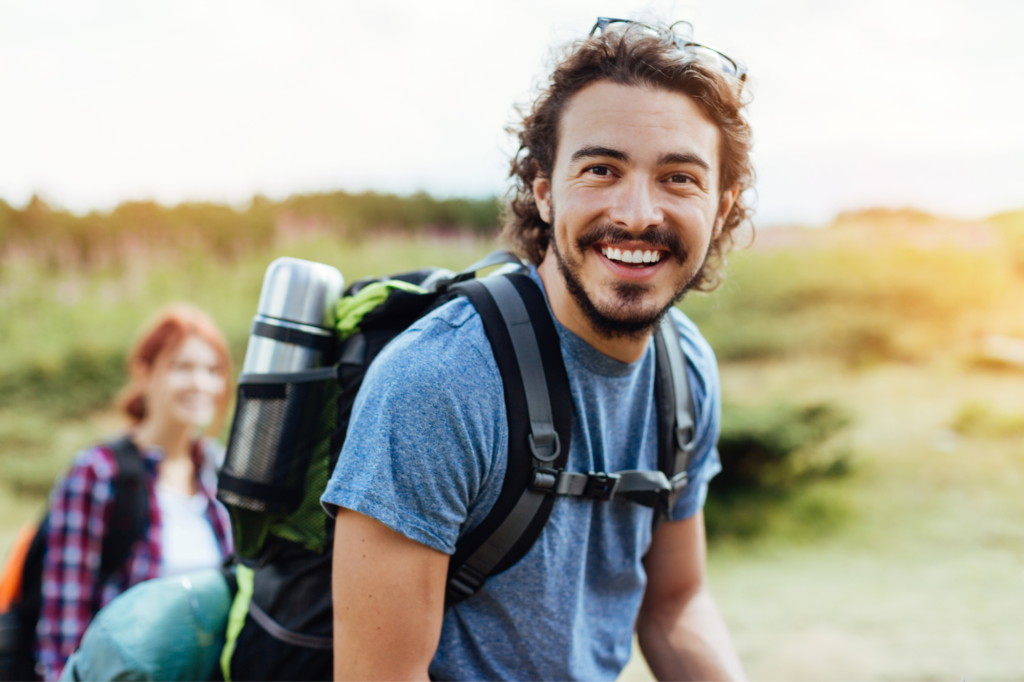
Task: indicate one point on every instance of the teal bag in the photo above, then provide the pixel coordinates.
(163, 629)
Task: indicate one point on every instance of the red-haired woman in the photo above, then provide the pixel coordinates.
(180, 370)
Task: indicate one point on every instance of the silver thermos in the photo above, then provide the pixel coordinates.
(296, 309)
(291, 339)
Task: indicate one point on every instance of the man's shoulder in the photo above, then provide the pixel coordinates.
(427, 430)
(446, 345)
(696, 348)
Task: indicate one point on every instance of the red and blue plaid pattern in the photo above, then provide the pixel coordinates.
(80, 509)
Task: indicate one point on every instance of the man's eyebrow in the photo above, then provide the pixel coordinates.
(674, 158)
(606, 152)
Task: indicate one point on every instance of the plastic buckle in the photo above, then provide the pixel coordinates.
(544, 480)
(601, 486)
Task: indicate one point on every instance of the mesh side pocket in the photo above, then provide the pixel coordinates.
(281, 422)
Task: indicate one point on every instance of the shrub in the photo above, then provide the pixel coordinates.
(80, 382)
(770, 453)
(982, 420)
(30, 460)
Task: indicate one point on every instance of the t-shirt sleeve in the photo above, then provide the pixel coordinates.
(426, 431)
(706, 391)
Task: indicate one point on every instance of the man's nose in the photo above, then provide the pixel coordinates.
(635, 207)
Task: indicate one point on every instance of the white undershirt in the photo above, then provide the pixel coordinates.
(188, 542)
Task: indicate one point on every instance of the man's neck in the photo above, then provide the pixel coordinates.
(622, 348)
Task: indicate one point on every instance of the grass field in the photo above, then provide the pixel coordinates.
(923, 581)
(907, 567)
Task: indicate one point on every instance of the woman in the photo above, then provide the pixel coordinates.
(179, 371)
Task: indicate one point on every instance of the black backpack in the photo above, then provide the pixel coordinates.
(284, 617)
(129, 521)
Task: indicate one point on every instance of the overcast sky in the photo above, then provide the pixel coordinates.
(855, 104)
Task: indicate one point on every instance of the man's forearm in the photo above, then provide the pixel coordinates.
(691, 643)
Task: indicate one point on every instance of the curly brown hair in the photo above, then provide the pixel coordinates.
(636, 59)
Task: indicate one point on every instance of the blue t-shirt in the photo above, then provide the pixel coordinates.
(426, 454)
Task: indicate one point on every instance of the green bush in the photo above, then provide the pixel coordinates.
(983, 420)
(80, 382)
(30, 460)
(769, 455)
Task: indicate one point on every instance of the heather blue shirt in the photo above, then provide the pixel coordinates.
(426, 455)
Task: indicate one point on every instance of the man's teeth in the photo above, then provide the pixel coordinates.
(628, 256)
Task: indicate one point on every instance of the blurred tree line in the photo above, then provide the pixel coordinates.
(60, 238)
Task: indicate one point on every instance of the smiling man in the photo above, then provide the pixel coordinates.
(629, 183)
(639, 205)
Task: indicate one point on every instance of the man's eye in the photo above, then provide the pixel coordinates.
(599, 170)
(680, 179)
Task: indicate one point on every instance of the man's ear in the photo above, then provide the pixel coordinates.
(725, 204)
(542, 197)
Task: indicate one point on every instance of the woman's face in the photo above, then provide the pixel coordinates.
(186, 384)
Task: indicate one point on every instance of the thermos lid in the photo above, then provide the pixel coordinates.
(301, 291)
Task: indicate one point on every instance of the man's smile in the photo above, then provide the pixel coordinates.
(631, 255)
(635, 260)
(636, 257)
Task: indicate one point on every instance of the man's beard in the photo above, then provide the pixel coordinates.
(627, 319)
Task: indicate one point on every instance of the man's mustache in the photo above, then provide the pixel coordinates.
(660, 236)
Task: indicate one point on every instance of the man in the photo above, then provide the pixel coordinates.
(629, 182)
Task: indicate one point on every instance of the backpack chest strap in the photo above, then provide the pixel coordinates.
(647, 488)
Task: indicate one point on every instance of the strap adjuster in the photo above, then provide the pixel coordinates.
(601, 485)
(466, 582)
(679, 481)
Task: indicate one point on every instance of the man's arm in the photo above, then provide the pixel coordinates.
(681, 633)
(388, 601)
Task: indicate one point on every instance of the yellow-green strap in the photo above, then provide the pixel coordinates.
(236, 617)
(351, 309)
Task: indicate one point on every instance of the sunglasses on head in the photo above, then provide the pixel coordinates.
(682, 41)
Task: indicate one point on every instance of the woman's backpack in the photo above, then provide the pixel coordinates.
(21, 580)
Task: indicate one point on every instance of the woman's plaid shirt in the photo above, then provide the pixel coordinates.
(80, 508)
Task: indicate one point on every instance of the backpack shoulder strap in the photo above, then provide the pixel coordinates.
(129, 517)
(539, 410)
(500, 257)
(658, 488)
(676, 419)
